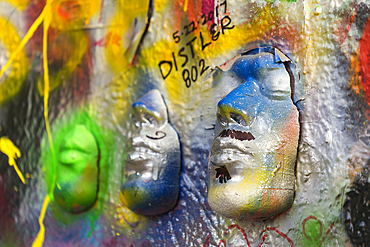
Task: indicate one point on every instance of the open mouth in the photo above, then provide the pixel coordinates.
(222, 174)
(236, 134)
(230, 151)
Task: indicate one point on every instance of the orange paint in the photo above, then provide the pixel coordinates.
(110, 39)
(72, 14)
(63, 13)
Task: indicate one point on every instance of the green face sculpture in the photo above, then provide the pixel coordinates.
(77, 170)
(75, 167)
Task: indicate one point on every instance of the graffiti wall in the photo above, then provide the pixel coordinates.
(184, 123)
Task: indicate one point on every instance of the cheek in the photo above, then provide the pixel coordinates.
(289, 136)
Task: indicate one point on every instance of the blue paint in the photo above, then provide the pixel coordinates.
(153, 162)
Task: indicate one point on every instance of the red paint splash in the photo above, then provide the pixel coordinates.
(207, 6)
(304, 226)
(63, 13)
(206, 243)
(344, 23)
(327, 233)
(278, 232)
(78, 81)
(364, 50)
(315, 218)
(101, 11)
(110, 39)
(241, 230)
(222, 241)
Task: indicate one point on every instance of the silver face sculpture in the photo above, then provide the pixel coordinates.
(152, 166)
(251, 169)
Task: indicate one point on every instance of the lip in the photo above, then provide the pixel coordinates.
(231, 147)
(138, 143)
(138, 162)
(141, 156)
(140, 150)
(237, 134)
(228, 143)
(138, 156)
(221, 159)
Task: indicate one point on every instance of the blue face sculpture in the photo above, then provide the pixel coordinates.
(252, 160)
(152, 166)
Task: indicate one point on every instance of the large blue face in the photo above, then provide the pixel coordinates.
(152, 166)
(252, 159)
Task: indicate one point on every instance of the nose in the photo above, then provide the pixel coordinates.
(141, 116)
(149, 110)
(229, 114)
(239, 107)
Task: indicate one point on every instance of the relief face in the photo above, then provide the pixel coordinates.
(251, 169)
(76, 187)
(153, 162)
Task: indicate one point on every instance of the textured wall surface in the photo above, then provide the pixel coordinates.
(62, 59)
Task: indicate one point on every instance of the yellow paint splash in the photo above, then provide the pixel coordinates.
(20, 4)
(161, 5)
(9, 149)
(186, 5)
(24, 41)
(75, 54)
(121, 51)
(45, 17)
(10, 40)
(68, 15)
(47, 21)
(225, 46)
(39, 240)
(128, 219)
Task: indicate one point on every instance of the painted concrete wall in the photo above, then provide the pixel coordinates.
(63, 59)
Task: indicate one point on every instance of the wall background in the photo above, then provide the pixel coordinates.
(104, 55)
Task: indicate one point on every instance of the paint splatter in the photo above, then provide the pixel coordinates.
(9, 149)
(278, 232)
(47, 21)
(20, 4)
(39, 240)
(313, 229)
(365, 60)
(15, 76)
(186, 5)
(206, 243)
(241, 230)
(45, 17)
(24, 41)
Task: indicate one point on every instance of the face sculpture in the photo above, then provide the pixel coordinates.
(152, 166)
(73, 177)
(77, 181)
(251, 167)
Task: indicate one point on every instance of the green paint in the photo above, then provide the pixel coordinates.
(77, 178)
(289, 1)
(77, 170)
(312, 228)
(93, 219)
